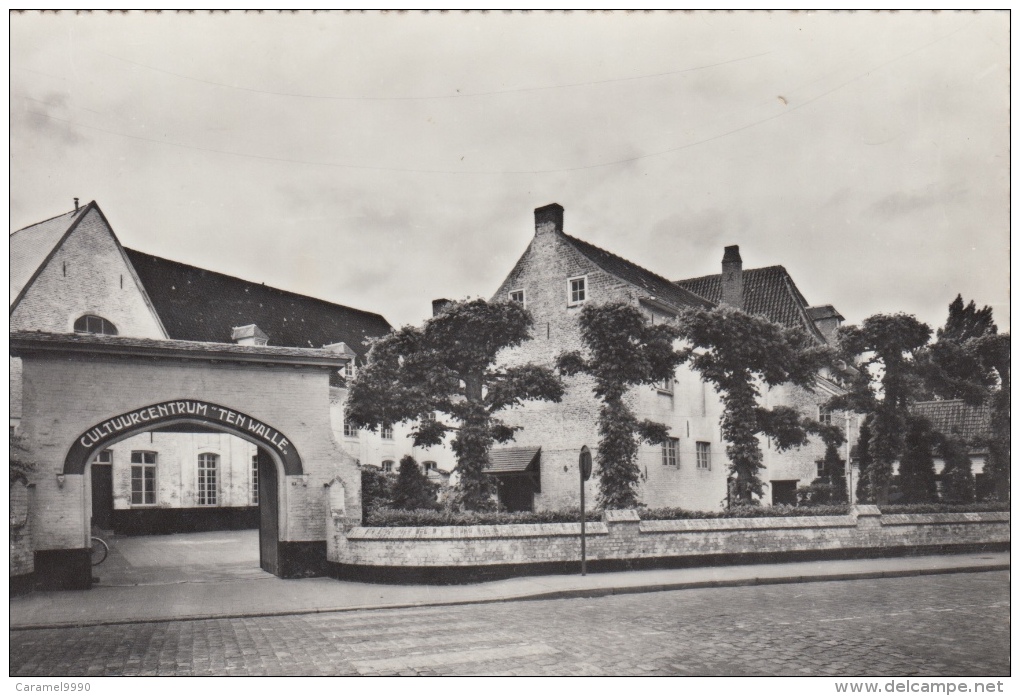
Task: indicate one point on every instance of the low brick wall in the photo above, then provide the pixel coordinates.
(622, 540)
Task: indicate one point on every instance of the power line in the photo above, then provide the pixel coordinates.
(458, 95)
(476, 172)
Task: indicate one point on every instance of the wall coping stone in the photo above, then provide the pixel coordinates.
(945, 518)
(620, 516)
(481, 531)
(865, 511)
(719, 524)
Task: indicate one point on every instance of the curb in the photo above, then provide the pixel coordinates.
(555, 594)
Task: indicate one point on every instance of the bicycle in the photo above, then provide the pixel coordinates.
(99, 551)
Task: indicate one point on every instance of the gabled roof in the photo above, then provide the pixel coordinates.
(768, 292)
(32, 245)
(656, 286)
(955, 417)
(196, 304)
(513, 460)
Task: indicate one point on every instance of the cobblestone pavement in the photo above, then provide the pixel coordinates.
(929, 625)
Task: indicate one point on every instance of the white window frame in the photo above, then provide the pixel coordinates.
(203, 489)
(255, 479)
(106, 454)
(430, 466)
(665, 386)
(143, 465)
(824, 416)
(703, 454)
(520, 291)
(349, 369)
(388, 466)
(386, 432)
(671, 451)
(350, 431)
(571, 302)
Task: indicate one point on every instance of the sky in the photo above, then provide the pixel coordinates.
(382, 160)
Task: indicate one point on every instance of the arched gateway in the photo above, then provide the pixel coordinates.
(83, 393)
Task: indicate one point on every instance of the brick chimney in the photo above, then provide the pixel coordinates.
(249, 335)
(549, 218)
(733, 277)
(439, 305)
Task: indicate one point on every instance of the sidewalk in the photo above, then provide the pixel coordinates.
(269, 596)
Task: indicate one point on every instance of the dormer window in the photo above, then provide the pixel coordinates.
(91, 324)
(577, 290)
(517, 296)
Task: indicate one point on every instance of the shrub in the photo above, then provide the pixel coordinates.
(820, 492)
(376, 490)
(382, 517)
(413, 490)
(743, 511)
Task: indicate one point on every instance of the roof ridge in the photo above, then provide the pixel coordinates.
(257, 284)
(665, 280)
(716, 275)
(49, 219)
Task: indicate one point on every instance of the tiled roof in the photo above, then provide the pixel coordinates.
(769, 292)
(955, 417)
(823, 312)
(30, 246)
(200, 305)
(25, 341)
(513, 460)
(656, 286)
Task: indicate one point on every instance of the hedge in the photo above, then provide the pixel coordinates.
(384, 517)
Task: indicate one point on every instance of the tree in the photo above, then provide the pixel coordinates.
(887, 346)
(863, 492)
(622, 350)
(957, 477)
(737, 352)
(994, 351)
(917, 466)
(376, 490)
(834, 472)
(448, 366)
(413, 490)
(19, 466)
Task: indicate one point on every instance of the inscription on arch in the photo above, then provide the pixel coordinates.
(148, 417)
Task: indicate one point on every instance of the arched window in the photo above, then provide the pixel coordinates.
(92, 324)
(208, 466)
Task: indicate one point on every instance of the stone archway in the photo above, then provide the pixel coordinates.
(83, 393)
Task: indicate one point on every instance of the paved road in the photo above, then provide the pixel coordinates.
(930, 625)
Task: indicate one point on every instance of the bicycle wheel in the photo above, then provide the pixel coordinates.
(100, 550)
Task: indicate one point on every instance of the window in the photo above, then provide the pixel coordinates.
(387, 432)
(669, 451)
(350, 430)
(143, 478)
(429, 466)
(517, 296)
(387, 466)
(577, 290)
(820, 469)
(824, 415)
(349, 369)
(704, 450)
(94, 325)
(105, 457)
(665, 385)
(255, 479)
(208, 466)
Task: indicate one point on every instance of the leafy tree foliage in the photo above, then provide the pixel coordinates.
(19, 465)
(917, 466)
(862, 493)
(413, 490)
(834, 472)
(887, 346)
(376, 490)
(737, 352)
(622, 350)
(957, 476)
(448, 366)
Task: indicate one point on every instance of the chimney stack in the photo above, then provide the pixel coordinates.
(249, 335)
(439, 305)
(549, 218)
(76, 205)
(733, 278)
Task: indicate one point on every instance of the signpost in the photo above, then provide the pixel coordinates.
(584, 467)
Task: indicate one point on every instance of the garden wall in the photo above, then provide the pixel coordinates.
(623, 541)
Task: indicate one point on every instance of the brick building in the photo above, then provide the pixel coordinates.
(70, 274)
(559, 273)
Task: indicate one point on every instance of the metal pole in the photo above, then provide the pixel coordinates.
(849, 464)
(584, 560)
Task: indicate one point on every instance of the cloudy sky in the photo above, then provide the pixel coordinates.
(383, 160)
